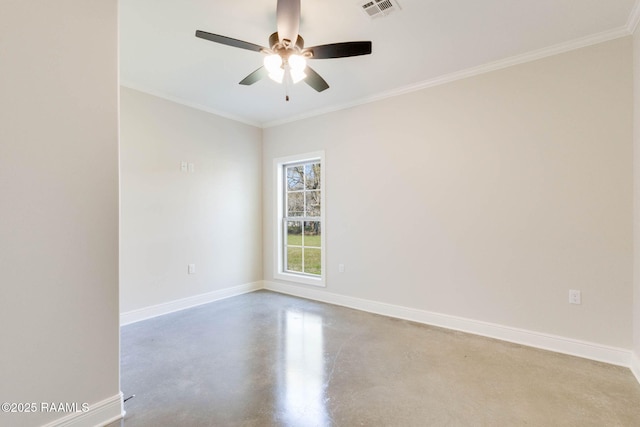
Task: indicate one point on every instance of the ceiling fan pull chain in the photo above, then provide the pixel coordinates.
(286, 87)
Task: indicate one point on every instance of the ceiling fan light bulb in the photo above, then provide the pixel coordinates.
(297, 75)
(297, 62)
(273, 63)
(277, 75)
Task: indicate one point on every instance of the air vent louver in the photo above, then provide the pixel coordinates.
(378, 8)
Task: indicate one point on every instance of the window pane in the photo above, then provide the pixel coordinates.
(295, 178)
(295, 204)
(312, 174)
(301, 250)
(312, 233)
(294, 259)
(294, 233)
(313, 203)
(312, 264)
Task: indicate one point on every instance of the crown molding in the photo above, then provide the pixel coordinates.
(189, 104)
(634, 18)
(628, 29)
(471, 72)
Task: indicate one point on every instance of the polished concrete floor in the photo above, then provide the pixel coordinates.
(265, 359)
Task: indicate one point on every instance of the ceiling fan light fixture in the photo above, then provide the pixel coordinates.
(286, 60)
(297, 75)
(297, 65)
(273, 64)
(277, 75)
(297, 62)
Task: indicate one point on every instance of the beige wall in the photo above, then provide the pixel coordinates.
(59, 198)
(636, 142)
(211, 217)
(487, 198)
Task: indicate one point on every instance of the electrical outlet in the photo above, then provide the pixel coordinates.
(575, 297)
(191, 269)
(340, 268)
(183, 166)
(191, 167)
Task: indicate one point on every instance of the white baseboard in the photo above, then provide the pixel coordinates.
(588, 350)
(99, 414)
(181, 304)
(635, 365)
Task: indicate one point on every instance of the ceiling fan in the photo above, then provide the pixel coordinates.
(286, 54)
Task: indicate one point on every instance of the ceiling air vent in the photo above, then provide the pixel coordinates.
(377, 8)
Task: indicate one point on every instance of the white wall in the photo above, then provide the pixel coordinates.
(59, 205)
(486, 198)
(211, 218)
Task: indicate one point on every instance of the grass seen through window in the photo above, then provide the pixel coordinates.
(310, 251)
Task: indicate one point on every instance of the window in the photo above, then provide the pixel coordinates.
(300, 219)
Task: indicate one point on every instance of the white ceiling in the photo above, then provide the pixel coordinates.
(426, 42)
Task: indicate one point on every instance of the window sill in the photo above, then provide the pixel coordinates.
(305, 280)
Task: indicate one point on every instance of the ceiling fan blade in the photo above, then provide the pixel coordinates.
(288, 20)
(228, 41)
(340, 50)
(255, 76)
(314, 80)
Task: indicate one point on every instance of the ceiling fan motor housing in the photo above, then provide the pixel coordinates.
(276, 46)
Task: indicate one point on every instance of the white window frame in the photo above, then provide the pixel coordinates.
(279, 271)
